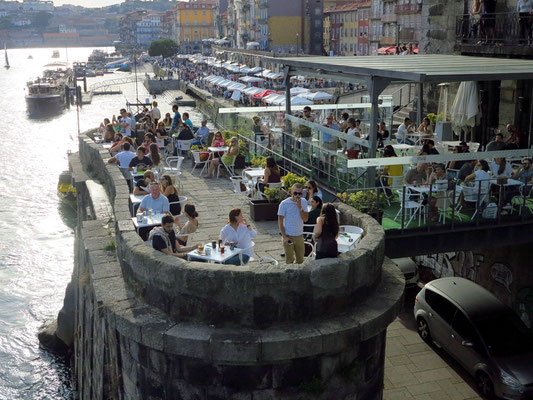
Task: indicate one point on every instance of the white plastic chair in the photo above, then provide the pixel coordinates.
(237, 182)
(197, 161)
(229, 167)
(471, 195)
(412, 207)
(397, 181)
(251, 257)
(183, 145)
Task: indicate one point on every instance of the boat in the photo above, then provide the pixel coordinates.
(65, 189)
(7, 60)
(55, 54)
(48, 93)
(30, 57)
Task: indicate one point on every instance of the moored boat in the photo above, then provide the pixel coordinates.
(48, 93)
(55, 54)
(65, 189)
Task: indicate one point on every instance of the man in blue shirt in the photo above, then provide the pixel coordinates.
(200, 137)
(176, 120)
(155, 201)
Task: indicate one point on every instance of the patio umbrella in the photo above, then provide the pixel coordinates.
(465, 107)
(387, 50)
(273, 98)
(298, 90)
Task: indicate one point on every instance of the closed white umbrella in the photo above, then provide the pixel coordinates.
(465, 106)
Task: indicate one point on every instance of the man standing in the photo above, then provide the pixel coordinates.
(200, 137)
(330, 141)
(124, 122)
(176, 120)
(292, 214)
(403, 130)
(154, 113)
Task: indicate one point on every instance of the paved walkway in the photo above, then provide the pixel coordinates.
(416, 371)
(214, 199)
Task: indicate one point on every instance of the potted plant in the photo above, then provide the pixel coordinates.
(258, 162)
(203, 154)
(240, 160)
(370, 202)
(267, 209)
(290, 179)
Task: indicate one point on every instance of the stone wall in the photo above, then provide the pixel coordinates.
(152, 326)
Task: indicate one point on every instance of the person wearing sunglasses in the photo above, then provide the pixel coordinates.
(292, 214)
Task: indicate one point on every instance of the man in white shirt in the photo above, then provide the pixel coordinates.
(124, 122)
(124, 157)
(292, 214)
(403, 130)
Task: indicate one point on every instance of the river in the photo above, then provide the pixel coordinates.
(36, 250)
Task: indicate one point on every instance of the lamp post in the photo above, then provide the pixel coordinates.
(297, 42)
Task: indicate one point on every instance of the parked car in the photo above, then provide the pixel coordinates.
(486, 337)
(409, 270)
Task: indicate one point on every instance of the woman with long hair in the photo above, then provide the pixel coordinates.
(167, 120)
(311, 189)
(500, 168)
(218, 140)
(316, 208)
(154, 154)
(240, 233)
(189, 227)
(109, 133)
(227, 158)
(352, 149)
(272, 174)
(171, 193)
(326, 232)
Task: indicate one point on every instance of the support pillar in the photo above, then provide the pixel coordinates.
(420, 103)
(288, 124)
(376, 85)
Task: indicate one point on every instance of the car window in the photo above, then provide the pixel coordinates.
(440, 305)
(464, 328)
(505, 335)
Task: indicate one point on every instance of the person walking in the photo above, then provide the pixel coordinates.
(292, 214)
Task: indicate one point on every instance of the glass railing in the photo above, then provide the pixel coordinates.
(504, 29)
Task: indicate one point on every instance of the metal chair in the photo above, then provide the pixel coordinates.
(396, 182)
(229, 167)
(407, 203)
(240, 188)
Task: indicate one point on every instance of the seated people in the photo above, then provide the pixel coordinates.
(239, 232)
(171, 193)
(515, 139)
(316, 208)
(189, 211)
(418, 175)
(142, 185)
(109, 133)
(352, 129)
(124, 157)
(164, 239)
(481, 178)
(390, 171)
(149, 139)
(201, 135)
(218, 140)
(431, 146)
(383, 133)
(311, 189)
(272, 174)
(167, 120)
(185, 132)
(425, 128)
(497, 144)
(187, 120)
(155, 201)
(403, 130)
(140, 160)
(326, 232)
(439, 174)
(227, 158)
(155, 156)
(456, 164)
(500, 168)
(466, 169)
(525, 174)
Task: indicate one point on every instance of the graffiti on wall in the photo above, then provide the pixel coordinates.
(461, 263)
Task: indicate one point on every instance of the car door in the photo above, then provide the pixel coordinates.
(440, 316)
(464, 343)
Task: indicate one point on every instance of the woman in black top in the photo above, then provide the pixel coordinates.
(326, 232)
(316, 208)
(171, 193)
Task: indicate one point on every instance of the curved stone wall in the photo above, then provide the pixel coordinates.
(278, 327)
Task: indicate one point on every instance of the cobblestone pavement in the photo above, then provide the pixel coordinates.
(416, 371)
(214, 199)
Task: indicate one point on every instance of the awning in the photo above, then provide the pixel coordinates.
(264, 93)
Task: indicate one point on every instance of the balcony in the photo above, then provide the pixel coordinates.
(387, 41)
(507, 38)
(408, 8)
(388, 18)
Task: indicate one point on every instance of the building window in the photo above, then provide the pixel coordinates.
(195, 22)
(186, 12)
(204, 22)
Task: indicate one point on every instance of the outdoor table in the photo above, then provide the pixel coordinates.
(347, 241)
(403, 147)
(107, 145)
(212, 151)
(138, 174)
(216, 256)
(154, 220)
(135, 200)
(254, 174)
(510, 182)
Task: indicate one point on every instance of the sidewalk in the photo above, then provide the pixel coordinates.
(416, 371)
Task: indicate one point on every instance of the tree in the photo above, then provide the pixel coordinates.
(41, 19)
(163, 47)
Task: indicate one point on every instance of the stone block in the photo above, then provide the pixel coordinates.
(289, 343)
(188, 340)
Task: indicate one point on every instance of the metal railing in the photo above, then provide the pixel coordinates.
(504, 29)
(454, 206)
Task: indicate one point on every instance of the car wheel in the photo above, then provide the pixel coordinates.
(423, 330)
(484, 385)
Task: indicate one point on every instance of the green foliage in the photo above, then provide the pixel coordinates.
(163, 47)
(111, 246)
(275, 195)
(366, 201)
(290, 179)
(198, 148)
(41, 19)
(259, 161)
(434, 118)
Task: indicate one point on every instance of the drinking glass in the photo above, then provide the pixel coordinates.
(201, 248)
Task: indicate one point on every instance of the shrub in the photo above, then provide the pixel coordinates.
(258, 161)
(366, 201)
(275, 195)
(290, 179)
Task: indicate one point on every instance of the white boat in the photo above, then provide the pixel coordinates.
(55, 54)
(7, 60)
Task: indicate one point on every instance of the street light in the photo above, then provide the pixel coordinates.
(297, 42)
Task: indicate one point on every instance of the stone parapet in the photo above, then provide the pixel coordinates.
(182, 329)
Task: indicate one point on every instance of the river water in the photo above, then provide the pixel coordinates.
(37, 231)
